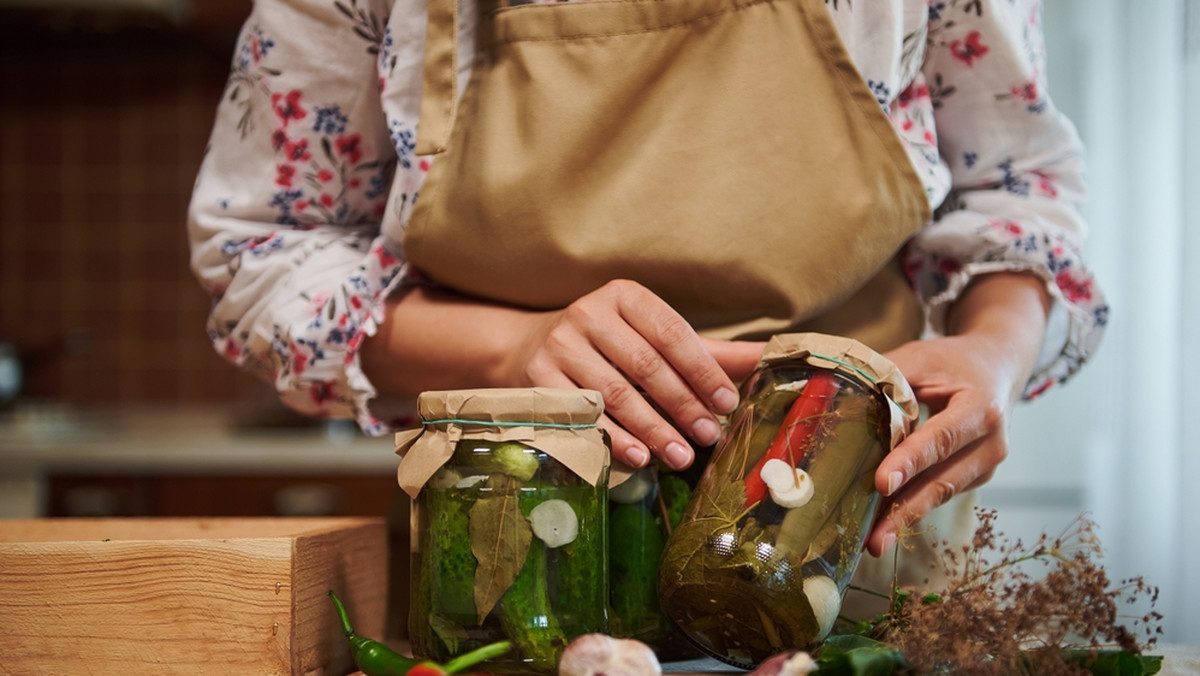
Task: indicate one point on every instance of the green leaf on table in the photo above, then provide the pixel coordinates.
(1117, 662)
(853, 655)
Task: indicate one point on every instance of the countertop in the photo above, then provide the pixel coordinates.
(1178, 661)
(171, 440)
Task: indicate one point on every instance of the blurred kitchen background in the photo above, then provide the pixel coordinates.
(124, 409)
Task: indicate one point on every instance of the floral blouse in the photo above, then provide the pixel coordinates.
(310, 168)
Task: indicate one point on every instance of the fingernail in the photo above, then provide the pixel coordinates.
(725, 400)
(637, 456)
(895, 480)
(889, 541)
(678, 456)
(705, 431)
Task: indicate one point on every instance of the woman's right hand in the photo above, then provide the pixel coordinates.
(620, 340)
(626, 343)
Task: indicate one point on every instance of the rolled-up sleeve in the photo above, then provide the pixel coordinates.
(284, 222)
(1016, 166)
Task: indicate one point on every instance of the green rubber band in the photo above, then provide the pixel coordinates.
(839, 362)
(509, 423)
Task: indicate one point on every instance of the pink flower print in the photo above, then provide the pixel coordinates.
(1009, 227)
(907, 125)
(1076, 290)
(386, 259)
(353, 344)
(287, 107)
(354, 182)
(317, 304)
(322, 393)
(284, 173)
(1046, 186)
(1026, 92)
(297, 151)
(350, 147)
(912, 93)
(301, 205)
(326, 200)
(424, 165)
(299, 360)
(1041, 388)
(324, 175)
(232, 349)
(969, 49)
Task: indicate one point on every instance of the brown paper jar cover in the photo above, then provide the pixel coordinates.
(558, 422)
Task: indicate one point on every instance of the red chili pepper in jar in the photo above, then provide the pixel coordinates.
(795, 433)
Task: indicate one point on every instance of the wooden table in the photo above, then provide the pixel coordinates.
(1179, 660)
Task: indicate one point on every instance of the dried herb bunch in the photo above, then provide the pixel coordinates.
(996, 617)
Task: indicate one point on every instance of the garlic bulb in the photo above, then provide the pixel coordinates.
(603, 655)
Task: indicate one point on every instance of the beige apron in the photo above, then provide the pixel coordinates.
(724, 153)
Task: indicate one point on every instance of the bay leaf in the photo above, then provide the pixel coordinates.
(500, 537)
(448, 631)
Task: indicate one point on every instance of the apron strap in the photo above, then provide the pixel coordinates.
(439, 77)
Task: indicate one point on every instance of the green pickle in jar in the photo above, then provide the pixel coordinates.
(509, 524)
(775, 528)
(642, 512)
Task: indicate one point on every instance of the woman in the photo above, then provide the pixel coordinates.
(628, 196)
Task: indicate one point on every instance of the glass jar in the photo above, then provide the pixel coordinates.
(642, 512)
(509, 523)
(775, 529)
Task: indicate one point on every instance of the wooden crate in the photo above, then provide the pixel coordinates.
(195, 596)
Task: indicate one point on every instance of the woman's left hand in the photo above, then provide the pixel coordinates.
(969, 382)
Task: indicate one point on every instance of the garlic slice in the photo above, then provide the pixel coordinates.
(790, 487)
(554, 522)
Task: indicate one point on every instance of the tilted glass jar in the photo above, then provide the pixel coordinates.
(509, 523)
(775, 529)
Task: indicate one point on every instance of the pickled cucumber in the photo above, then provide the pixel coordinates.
(527, 616)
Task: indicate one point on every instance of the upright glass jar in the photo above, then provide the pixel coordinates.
(642, 512)
(509, 523)
(775, 529)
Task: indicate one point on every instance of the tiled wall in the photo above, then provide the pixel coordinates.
(101, 134)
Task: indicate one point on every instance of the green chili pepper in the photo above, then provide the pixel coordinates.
(374, 658)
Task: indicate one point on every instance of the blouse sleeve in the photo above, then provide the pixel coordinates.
(284, 222)
(1016, 176)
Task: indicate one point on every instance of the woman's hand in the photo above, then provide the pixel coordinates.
(620, 340)
(969, 382)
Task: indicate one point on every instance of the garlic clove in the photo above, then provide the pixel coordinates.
(554, 522)
(637, 486)
(444, 479)
(796, 663)
(790, 487)
(825, 599)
